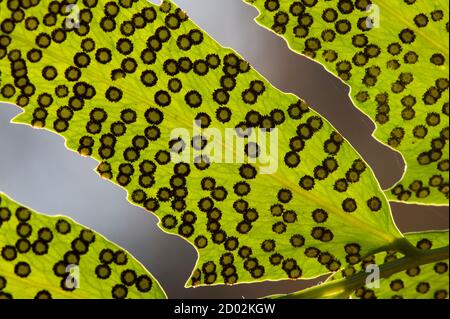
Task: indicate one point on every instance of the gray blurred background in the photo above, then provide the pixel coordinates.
(37, 170)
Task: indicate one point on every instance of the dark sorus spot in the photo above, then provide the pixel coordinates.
(297, 240)
(349, 205)
(80, 246)
(208, 183)
(22, 269)
(374, 204)
(175, 85)
(214, 214)
(307, 182)
(205, 204)
(289, 265)
(423, 287)
(247, 171)
(352, 176)
(23, 245)
(296, 143)
(24, 230)
(106, 256)
(201, 241)
(312, 252)
(138, 196)
(120, 257)
(231, 243)
(219, 193)
(319, 215)
(144, 283)
(424, 244)
(9, 253)
(240, 205)
(320, 173)
(23, 214)
(193, 99)
(396, 285)
(322, 234)
(284, 195)
(113, 94)
(441, 294)
(63, 227)
(279, 227)
(268, 245)
(119, 291)
(162, 98)
(412, 272)
(185, 230)
(103, 271)
(289, 216)
(45, 234)
(330, 164)
(219, 237)
(352, 248)
(292, 159)
(441, 267)
(437, 59)
(251, 215)
(221, 96)
(305, 131)
(244, 227)
(128, 277)
(202, 120)
(43, 294)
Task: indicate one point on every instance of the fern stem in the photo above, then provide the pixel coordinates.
(405, 247)
(344, 287)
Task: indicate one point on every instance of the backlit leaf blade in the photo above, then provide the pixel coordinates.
(54, 257)
(397, 71)
(246, 225)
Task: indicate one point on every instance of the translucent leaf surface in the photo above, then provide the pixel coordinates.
(54, 257)
(394, 56)
(119, 85)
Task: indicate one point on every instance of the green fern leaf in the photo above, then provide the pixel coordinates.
(118, 84)
(394, 56)
(46, 257)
